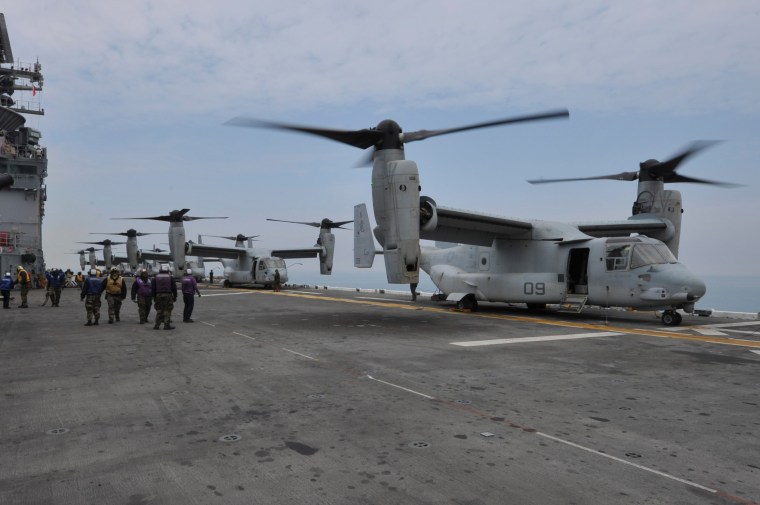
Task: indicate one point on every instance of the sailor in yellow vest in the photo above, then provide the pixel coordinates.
(24, 280)
(116, 291)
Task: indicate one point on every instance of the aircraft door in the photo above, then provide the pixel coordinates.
(577, 271)
(253, 270)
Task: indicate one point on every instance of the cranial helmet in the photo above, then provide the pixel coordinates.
(7, 274)
(189, 271)
(114, 269)
(164, 268)
(19, 268)
(93, 271)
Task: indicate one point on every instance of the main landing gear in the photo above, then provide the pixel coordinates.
(671, 318)
(469, 302)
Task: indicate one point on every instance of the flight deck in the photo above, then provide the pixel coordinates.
(351, 397)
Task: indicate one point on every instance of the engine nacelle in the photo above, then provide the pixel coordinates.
(132, 252)
(401, 233)
(327, 241)
(177, 247)
(428, 214)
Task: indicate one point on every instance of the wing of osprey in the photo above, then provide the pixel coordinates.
(304, 252)
(623, 228)
(215, 251)
(478, 228)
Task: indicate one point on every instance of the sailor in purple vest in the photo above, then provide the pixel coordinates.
(189, 290)
(164, 297)
(142, 293)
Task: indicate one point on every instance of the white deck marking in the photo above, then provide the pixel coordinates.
(756, 352)
(303, 292)
(208, 324)
(629, 463)
(474, 343)
(746, 332)
(244, 335)
(299, 354)
(401, 387)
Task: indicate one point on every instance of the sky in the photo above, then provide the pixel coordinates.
(136, 95)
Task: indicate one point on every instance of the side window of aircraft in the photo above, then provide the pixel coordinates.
(617, 257)
(262, 266)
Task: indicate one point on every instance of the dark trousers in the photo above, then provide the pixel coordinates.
(189, 304)
(6, 298)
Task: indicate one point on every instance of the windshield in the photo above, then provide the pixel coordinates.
(651, 254)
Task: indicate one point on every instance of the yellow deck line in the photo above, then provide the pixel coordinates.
(564, 324)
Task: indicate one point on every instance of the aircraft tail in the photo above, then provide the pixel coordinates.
(364, 244)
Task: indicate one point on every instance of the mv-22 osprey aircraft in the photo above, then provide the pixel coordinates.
(256, 266)
(515, 260)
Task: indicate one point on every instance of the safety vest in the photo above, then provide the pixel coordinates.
(113, 286)
(23, 277)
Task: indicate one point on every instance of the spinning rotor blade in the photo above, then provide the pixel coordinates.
(425, 134)
(387, 134)
(666, 170)
(174, 216)
(652, 170)
(362, 139)
(128, 233)
(325, 223)
(239, 237)
(622, 176)
(103, 242)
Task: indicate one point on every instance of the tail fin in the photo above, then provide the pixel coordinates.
(364, 244)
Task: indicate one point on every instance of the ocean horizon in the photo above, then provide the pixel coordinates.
(724, 293)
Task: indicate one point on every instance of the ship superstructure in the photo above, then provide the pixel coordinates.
(23, 163)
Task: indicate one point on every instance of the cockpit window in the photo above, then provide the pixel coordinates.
(274, 262)
(651, 254)
(617, 257)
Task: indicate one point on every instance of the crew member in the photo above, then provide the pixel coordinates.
(55, 280)
(142, 293)
(116, 291)
(6, 284)
(24, 281)
(79, 279)
(92, 288)
(164, 296)
(189, 290)
(277, 284)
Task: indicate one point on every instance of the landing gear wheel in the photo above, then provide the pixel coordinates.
(468, 303)
(226, 283)
(671, 318)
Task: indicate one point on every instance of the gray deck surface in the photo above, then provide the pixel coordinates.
(340, 397)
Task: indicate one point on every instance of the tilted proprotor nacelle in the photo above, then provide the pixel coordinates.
(325, 241)
(395, 182)
(653, 201)
(176, 219)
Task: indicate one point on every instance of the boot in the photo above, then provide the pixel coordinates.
(110, 321)
(88, 323)
(117, 317)
(168, 326)
(96, 322)
(156, 326)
